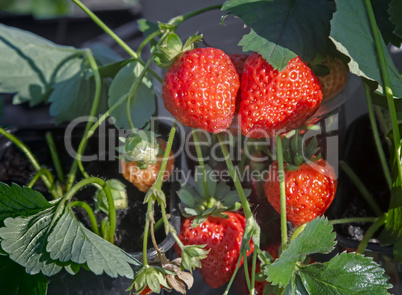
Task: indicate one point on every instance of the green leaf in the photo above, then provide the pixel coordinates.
(286, 28)
(380, 8)
(104, 55)
(24, 239)
(71, 241)
(351, 34)
(110, 70)
(15, 281)
(20, 201)
(147, 27)
(395, 12)
(142, 107)
(74, 92)
(317, 237)
(345, 274)
(53, 238)
(28, 64)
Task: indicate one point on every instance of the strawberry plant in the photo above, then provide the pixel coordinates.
(274, 90)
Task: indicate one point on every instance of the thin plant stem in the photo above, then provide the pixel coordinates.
(159, 179)
(361, 187)
(376, 135)
(94, 108)
(369, 234)
(55, 156)
(89, 212)
(152, 223)
(146, 231)
(387, 84)
(201, 162)
(352, 220)
(42, 171)
(134, 91)
(46, 178)
(246, 207)
(146, 41)
(246, 274)
(105, 28)
(112, 211)
(282, 188)
(233, 276)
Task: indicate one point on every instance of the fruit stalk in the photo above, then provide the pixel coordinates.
(146, 230)
(387, 84)
(246, 207)
(369, 233)
(55, 156)
(282, 188)
(98, 181)
(90, 213)
(159, 179)
(352, 220)
(376, 135)
(47, 178)
(201, 162)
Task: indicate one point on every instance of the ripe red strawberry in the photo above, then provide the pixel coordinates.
(238, 60)
(275, 102)
(200, 89)
(144, 176)
(223, 238)
(309, 190)
(333, 82)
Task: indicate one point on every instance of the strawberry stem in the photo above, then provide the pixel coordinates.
(202, 166)
(159, 179)
(246, 207)
(387, 85)
(90, 213)
(233, 276)
(42, 172)
(369, 233)
(97, 181)
(47, 178)
(352, 220)
(55, 156)
(282, 188)
(146, 230)
(377, 140)
(361, 187)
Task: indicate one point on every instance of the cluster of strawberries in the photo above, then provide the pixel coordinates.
(205, 88)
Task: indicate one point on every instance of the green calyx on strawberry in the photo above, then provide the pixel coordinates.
(164, 274)
(310, 183)
(210, 226)
(172, 47)
(142, 147)
(274, 102)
